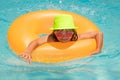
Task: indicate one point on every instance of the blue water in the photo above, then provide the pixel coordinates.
(104, 66)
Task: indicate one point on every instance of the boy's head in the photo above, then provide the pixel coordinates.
(64, 28)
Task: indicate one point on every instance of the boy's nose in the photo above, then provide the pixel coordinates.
(63, 32)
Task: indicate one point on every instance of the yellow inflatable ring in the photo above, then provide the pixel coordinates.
(27, 28)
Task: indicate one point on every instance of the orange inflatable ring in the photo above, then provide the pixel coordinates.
(27, 28)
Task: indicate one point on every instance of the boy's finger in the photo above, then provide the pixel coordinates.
(29, 59)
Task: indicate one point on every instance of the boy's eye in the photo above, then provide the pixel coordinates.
(59, 34)
(68, 34)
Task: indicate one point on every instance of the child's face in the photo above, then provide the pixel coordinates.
(64, 35)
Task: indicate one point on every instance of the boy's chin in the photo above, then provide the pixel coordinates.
(64, 41)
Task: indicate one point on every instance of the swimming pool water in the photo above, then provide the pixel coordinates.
(104, 66)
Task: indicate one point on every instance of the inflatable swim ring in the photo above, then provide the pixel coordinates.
(27, 28)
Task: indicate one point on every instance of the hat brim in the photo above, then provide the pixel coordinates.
(63, 28)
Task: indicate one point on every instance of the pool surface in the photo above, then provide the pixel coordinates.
(103, 66)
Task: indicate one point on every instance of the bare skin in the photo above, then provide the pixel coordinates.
(98, 36)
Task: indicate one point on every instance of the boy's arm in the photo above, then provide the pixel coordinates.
(27, 54)
(97, 35)
(35, 43)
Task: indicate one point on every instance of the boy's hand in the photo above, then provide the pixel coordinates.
(96, 52)
(27, 57)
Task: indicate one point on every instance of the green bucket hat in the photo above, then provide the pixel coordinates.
(63, 21)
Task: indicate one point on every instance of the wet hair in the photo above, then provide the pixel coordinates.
(74, 36)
